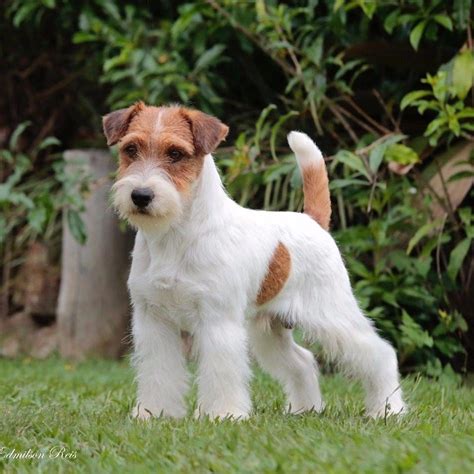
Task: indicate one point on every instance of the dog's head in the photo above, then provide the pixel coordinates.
(161, 152)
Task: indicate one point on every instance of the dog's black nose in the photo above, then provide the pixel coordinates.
(141, 197)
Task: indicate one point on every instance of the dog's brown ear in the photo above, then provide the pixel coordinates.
(116, 123)
(207, 131)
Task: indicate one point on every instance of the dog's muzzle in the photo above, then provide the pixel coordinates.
(141, 197)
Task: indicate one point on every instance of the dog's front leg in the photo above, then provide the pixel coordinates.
(223, 370)
(162, 377)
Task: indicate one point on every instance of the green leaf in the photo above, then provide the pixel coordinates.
(460, 175)
(358, 268)
(466, 216)
(260, 122)
(462, 13)
(208, 57)
(19, 199)
(390, 299)
(37, 218)
(454, 126)
(413, 333)
(348, 67)
(17, 133)
(388, 146)
(352, 161)
(76, 226)
(111, 9)
(7, 156)
(117, 60)
(276, 128)
(83, 37)
(49, 141)
(274, 172)
(315, 51)
(5, 193)
(368, 7)
(338, 4)
(24, 12)
(412, 97)
(3, 229)
(435, 125)
(457, 256)
(468, 112)
(439, 84)
(444, 20)
(423, 231)
(463, 73)
(391, 21)
(343, 183)
(416, 33)
(401, 154)
(376, 157)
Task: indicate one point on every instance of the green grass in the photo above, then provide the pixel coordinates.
(85, 408)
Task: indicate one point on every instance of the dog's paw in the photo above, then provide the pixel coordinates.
(298, 409)
(140, 412)
(234, 415)
(388, 409)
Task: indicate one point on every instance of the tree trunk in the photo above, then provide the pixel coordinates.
(93, 309)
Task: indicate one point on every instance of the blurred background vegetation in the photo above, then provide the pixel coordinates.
(384, 87)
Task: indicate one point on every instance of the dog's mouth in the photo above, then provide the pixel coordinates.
(135, 210)
(146, 212)
(141, 212)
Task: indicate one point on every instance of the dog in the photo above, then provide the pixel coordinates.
(237, 279)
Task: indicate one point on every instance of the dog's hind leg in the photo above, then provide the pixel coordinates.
(350, 339)
(292, 365)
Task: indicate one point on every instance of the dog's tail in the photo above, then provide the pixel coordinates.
(317, 202)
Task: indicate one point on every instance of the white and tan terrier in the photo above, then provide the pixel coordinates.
(237, 279)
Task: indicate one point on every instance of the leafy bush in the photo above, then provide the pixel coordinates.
(386, 87)
(32, 201)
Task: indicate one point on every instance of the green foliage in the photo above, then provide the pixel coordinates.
(423, 21)
(31, 203)
(348, 72)
(152, 63)
(38, 199)
(398, 286)
(74, 185)
(449, 88)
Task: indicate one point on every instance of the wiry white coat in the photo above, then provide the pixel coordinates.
(202, 274)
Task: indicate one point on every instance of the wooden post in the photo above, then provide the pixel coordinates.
(93, 309)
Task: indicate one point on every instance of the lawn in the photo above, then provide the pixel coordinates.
(81, 412)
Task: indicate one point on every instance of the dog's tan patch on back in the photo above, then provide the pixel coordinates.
(277, 275)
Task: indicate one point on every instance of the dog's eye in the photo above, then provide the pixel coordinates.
(131, 151)
(175, 155)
